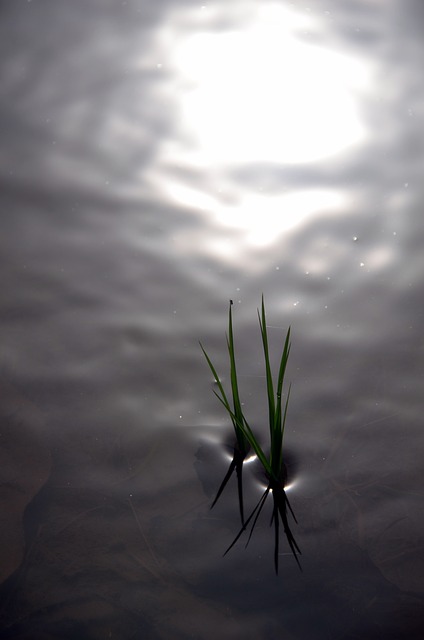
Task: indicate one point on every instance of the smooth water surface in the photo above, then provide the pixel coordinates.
(156, 160)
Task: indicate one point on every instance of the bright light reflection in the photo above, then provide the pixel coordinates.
(288, 487)
(247, 460)
(262, 217)
(261, 94)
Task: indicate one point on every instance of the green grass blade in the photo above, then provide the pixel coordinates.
(238, 411)
(215, 375)
(268, 374)
(281, 375)
(283, 363)
(223, 398)
(285, 413)
(279, 420)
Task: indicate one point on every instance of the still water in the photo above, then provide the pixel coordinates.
(156, 160)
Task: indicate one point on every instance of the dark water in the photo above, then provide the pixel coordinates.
(156, 160)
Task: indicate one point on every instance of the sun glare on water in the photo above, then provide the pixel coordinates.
(262, 95)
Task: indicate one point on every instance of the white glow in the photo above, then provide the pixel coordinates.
(229, 456)
(261, 94)
(266, 218)
(262, 217)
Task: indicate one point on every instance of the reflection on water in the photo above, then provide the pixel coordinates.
(267, 91)
(158, 159)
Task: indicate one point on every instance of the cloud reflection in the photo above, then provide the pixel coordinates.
(261, 94)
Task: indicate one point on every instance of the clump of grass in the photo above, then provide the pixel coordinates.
(272, 463)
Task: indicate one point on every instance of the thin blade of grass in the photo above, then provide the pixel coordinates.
(277, 460)
(216, 377)
(223, 398)
(285, 413)
(277, 449)
(281, 375)
(283, 363)
(268, 374)
(238, 411)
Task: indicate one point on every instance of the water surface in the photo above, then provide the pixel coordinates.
(157, 160)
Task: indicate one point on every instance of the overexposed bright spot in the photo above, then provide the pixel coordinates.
(230, 455)
(189, 196)
(262, 94)
(288, 487)
(292, 485)
(262, 218)
(266, 218)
